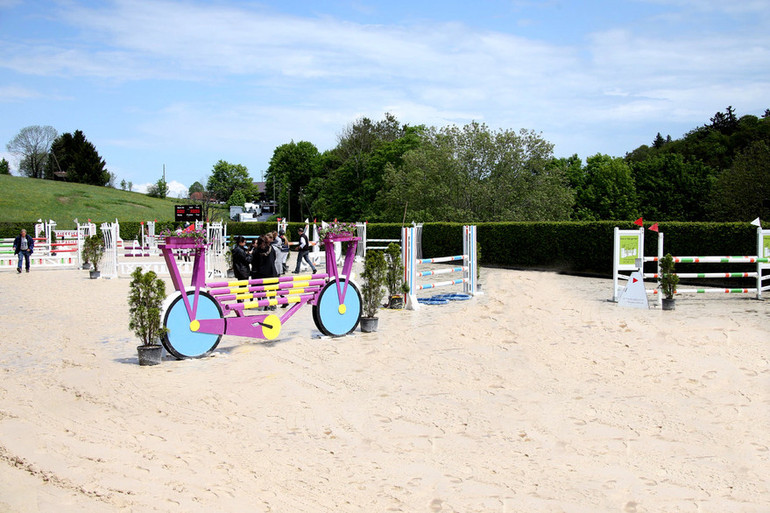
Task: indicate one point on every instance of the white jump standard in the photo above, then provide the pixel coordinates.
(468, 269)
(629, 256)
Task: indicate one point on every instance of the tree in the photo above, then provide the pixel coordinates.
(195, 187)
(158, 190)
(608, 191)
(237, 199)
(363, 152)
(31, 145)
(742, 192)
(226, 178)
(472, 173)
(724, 122)
(4, 167)
(670, 189)
(74, 159)
(289, 173)
(123, 184)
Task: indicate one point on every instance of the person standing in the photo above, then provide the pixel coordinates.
(284, 251)
(241, 259)
(22, 246)
(304, 249)
(276, 244)
(263, 259)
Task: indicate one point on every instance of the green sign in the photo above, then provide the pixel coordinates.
(765, 246)
(629, 250)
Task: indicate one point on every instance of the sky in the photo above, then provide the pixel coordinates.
(181, 84)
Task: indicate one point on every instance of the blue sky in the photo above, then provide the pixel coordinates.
(186, 83)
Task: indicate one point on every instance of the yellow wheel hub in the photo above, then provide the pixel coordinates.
(271, 327)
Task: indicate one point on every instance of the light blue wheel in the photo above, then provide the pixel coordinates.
(333, 318)
(180, 340)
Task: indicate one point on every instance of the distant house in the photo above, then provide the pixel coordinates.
(201, 196)
(260, 186)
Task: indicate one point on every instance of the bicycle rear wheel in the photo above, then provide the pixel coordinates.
(334, 318)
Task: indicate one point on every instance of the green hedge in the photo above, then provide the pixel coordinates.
(575, 247)
(585, 247)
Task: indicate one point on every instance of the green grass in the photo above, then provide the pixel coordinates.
(29, 199)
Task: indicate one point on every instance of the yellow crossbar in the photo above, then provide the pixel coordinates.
(273, 302)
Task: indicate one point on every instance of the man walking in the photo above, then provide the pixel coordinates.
(304, 249)
(22, 246)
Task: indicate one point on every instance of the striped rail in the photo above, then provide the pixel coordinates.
(240, 295)
(707, 291)
(714, 260)
(630, 257)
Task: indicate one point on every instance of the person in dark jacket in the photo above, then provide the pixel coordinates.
(241, 259)
(22, 246)
(263, 258)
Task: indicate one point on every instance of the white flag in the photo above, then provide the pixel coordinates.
(756, 222)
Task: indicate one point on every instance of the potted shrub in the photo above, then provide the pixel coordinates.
(372, 291)
(394, 275)
(93, 251)
(668, 281)
(145, 297)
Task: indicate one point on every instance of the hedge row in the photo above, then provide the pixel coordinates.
(575, 247)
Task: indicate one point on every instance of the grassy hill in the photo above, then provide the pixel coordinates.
(29, 199)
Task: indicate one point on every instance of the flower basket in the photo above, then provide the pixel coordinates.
(188, 238)
(344, 236)
(184, 242)
(338, 231)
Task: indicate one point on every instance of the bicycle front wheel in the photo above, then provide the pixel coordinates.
(333, 317)
(180, 340)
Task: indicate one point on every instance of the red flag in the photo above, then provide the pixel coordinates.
(654, 227)
(639, 222)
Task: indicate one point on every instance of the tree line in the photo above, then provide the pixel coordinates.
(386, 171)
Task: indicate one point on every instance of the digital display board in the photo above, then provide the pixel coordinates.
(189, 213)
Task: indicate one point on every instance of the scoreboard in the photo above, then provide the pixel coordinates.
(189, 213)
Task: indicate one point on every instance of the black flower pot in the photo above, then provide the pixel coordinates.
(669, 304)
(94, 274)
(149, 355)
(369, 324)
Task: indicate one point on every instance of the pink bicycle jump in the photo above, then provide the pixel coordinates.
(196, 317)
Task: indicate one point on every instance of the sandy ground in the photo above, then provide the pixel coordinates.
(539, 396)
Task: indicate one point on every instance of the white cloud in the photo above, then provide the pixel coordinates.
(233, 81)
(175, 189)
(11, 93)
